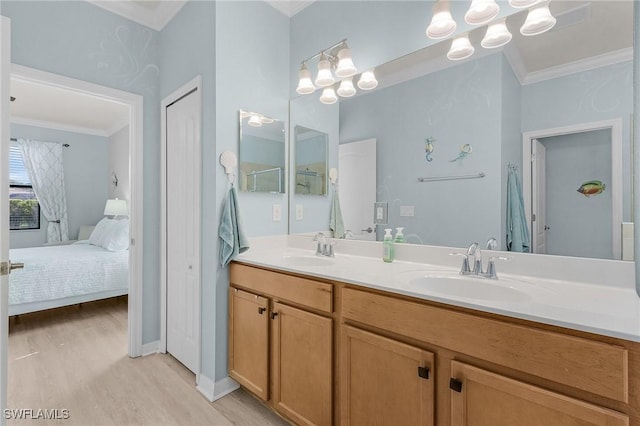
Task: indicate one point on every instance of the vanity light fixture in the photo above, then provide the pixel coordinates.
(522, 4)
(334, 64)
(328, 96)
(254, 121)
(461, 48)
(497, 35)
(442, 24)
(367, 80)
(539, 20)
(481, 12)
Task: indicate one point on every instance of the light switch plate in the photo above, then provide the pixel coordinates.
(407, 211)
(299, 211)
(380, 213)
(276, 212)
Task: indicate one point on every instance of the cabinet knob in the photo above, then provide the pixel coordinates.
(274, 315)
(261, 310)
(455, 385)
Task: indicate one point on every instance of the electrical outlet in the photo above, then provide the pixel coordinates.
(407, 211)
(299, 211)
(276, 212)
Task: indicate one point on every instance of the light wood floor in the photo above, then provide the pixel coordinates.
(75, 359)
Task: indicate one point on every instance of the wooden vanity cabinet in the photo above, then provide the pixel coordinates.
(281, 342)
(385, 382)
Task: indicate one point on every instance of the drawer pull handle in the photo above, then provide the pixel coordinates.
(455, 385)
(261, 310)
(274, 315)
(423, 372)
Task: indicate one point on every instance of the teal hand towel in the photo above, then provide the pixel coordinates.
(232, 238)
(335, 220)
(517, 229)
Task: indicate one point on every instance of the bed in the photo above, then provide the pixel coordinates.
(55, 276)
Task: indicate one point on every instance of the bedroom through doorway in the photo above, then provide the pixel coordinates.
(75, 202)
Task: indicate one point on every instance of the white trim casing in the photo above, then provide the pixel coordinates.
(136, 213)
(615, 126)
(196, 84)
(216, 390)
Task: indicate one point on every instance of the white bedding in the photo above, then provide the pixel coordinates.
(66, 272)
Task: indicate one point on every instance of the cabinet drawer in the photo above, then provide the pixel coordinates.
(284, 287)
(581, 363)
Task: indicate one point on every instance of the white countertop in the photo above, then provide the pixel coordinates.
(590, 295)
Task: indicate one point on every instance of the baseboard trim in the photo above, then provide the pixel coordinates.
(150, 348)
(216, 390)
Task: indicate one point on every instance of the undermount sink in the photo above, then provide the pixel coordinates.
(469, 288)
(309, 260)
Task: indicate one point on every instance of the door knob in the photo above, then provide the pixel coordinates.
(367, 230)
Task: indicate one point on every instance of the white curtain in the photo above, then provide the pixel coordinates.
(43, 161)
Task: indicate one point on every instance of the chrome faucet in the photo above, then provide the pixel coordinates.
(475, 251)
(474, 257)
(323, 248)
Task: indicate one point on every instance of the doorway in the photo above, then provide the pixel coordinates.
(572, 188)
(180, 224)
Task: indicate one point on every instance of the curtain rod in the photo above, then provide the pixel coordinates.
(66, 145)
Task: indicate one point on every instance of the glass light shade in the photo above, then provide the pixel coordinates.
(367, 80)
(328, 96)
(481, 11)
(521, 4)
(116, 207)
(324, 77)
(497, 35)
(442, 24)
(345, 68)
(461, 48)
(305, 85)
(266, 120)
(255, 120)
(346, 89)
(539, 20)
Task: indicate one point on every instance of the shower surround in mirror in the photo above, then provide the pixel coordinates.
(480, 102)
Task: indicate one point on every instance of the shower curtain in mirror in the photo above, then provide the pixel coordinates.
(43, 161)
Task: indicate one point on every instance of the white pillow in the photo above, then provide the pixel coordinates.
(117, 237)
(100, 231)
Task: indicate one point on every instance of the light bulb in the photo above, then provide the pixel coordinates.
(328, 96)
(539, 20)
(345, 68)
(497, 35)
(346, 89)
(481, 11)
(461, 48)
(305, 85)
(442, 24)
(324, 77)
(367, 80)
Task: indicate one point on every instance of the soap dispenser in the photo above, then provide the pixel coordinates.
(387, 246)
(399, 235)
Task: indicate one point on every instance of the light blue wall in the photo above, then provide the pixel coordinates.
(256, 149)
(599, 94)
(579, 225)
(456, 106)
(86, 173)
(252, 72)
(82, 41)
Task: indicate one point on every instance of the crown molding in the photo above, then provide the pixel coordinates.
(153, 17)
(289, 7)
(59, 126)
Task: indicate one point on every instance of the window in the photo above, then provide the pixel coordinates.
(24, 209)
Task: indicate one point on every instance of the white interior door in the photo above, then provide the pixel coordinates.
(538, 182)
(5, 72)
(357, 187)
(183, 229)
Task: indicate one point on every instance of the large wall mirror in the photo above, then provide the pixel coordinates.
(311, 161)
(262, 153)
(574, 82)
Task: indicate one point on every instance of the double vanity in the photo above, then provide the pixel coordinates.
(353, 340)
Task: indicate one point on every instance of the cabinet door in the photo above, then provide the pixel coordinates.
(302, 368)
(481, 398)
(249, 341)
(385, 382)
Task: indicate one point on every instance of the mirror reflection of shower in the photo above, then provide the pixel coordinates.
(262, 153)
(311, 161)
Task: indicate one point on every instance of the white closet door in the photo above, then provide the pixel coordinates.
(183, 229)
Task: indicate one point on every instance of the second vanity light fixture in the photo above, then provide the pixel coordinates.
(335, 60)
(255, 118)
(539, 20)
